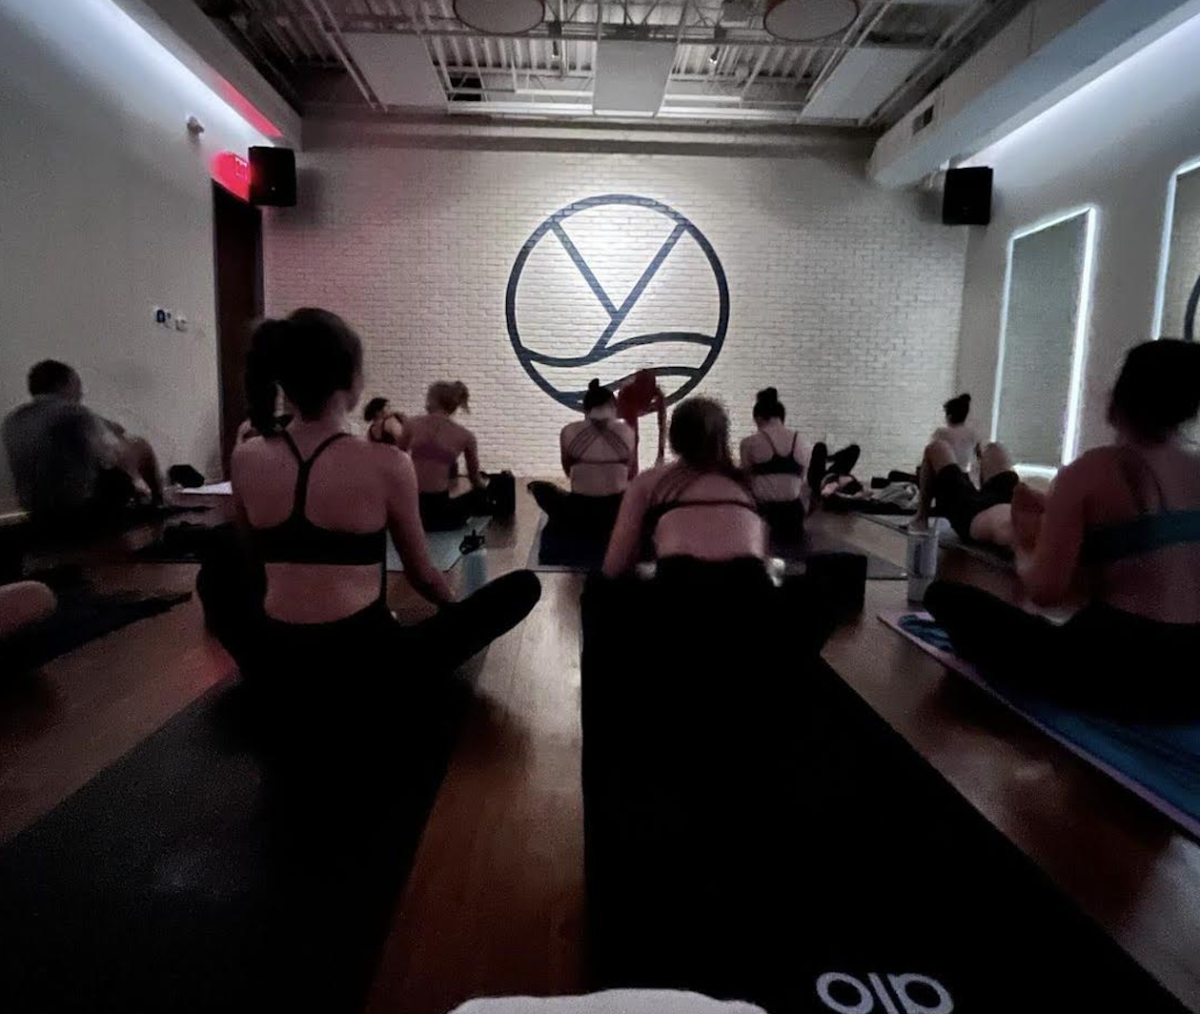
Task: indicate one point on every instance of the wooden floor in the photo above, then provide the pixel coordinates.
(494, 902)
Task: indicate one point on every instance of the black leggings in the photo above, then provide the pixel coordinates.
(441, 512)
(1101, 658)
(785, 520)
(585, 515)
(368, 649)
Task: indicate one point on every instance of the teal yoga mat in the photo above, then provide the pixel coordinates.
(1158, 761)
(443, 546)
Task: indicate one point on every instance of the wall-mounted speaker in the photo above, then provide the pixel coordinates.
(273, 177)
(967, 196)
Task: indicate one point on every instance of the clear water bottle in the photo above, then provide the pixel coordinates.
(922, 561)
(474, 556)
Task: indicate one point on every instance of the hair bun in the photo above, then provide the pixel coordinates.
(966, 399)
(594, 384)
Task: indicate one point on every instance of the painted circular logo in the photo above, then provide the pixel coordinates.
(612, 285)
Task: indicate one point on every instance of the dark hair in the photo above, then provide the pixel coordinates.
(957, 409)
(373, 408)
(1158, 389)
(311, 354)
(449, 396)
(49, 377)
(596, 396)
(700, 436)
(768, 406)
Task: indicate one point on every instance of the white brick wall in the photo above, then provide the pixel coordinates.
(841, 295)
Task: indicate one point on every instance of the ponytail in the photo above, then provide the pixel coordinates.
(262, 373)
(449, 396)
(768, 406)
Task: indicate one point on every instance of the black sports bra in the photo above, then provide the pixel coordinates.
(586, 437)
(779, 464)
(667, 497)
(298, 540)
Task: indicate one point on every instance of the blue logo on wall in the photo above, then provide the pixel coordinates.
(681, 302)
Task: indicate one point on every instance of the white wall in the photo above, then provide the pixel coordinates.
(1115, 144)
(842, 295)
(105, 213)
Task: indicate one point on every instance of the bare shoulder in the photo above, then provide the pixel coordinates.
(1092, 469)
(573, 429)
(625, 430)
(649, 479)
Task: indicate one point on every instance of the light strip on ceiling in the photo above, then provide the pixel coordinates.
(161, 60)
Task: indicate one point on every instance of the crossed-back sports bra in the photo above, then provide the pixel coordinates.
(779, 464)
(297, 540)
(1154, 528)
(667, 496)
(585, 438)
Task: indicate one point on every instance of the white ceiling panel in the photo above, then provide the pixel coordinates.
(862, 82)
(398, 69)
(631, 77)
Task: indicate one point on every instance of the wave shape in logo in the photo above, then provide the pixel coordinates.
(677, 291)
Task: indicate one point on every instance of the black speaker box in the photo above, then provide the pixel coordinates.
(967, 196)
(273, 177)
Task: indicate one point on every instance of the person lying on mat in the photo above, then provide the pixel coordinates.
(977, 514)
(775, 458)
(317, 505)
(961, 438)
(384, 424)
(436, 442)
(1125, 520)
(700, 507)
(69, 464)
(596, 452)
(638, 396)
(22, 604)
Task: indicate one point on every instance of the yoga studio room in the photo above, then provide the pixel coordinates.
(574, 507)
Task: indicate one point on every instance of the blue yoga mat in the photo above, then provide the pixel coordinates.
(1158, 761)
(443, 546)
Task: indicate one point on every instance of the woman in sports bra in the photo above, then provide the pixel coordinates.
(596, 452)
(436, 441)
(699, 508)
(384, 424)
(775, 459)
(317, 505)
(1122, 522)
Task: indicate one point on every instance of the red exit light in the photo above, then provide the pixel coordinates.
(233, 173)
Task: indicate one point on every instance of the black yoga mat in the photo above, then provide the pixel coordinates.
(203, 873)
(83, 615)
(557, 549)
(854, 874)
(818, 542)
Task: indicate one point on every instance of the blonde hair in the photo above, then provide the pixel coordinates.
(449, 396)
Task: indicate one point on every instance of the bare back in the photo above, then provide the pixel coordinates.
(1091, 506)
(775, 440)
(722, 525)
(1163, 584)
(436, 442)
(354, 486)
(596, 458)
